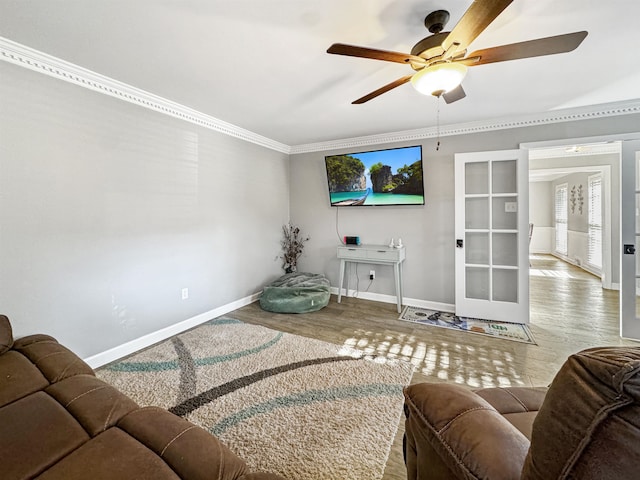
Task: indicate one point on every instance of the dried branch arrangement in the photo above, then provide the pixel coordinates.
(292, 246)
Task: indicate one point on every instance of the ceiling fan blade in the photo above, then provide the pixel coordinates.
(477, 17)
(532, 48)
(454, 95)
(381, 90)
(375, 54)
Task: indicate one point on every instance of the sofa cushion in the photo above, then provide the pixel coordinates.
(589, 424)
(518, 405)
(6, 336)
(111, 455)
(18, 377)
(35, 432)
(94, 404)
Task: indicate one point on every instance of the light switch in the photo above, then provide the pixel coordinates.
(510, 207)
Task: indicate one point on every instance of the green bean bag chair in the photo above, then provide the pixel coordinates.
(296, 292)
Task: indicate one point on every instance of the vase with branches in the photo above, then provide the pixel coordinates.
(292, 246)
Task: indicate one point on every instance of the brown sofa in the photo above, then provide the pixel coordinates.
(58, 421)
(585, 426)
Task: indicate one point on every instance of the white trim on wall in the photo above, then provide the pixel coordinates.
(152, 338)
(44, 63)
(32, 59)
(556, 116)
(380, 297)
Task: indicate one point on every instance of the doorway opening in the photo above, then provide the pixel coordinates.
(574, 207)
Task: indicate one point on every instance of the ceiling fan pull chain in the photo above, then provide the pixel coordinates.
(438, 122)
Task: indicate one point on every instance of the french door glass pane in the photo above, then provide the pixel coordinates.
(477, 283)
(505, 285)
(505, 249)
(504, 216)
(477, 248)
(504, 177)
(476, 178)
(477, 213)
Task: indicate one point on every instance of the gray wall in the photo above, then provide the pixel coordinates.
(427, 232)
(108, 210)
(578, 219)
(541, 204)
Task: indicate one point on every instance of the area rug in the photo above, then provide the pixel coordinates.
(517, 332)
(302, 408)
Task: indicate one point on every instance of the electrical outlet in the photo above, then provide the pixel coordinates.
(185, 293)
(372, 274)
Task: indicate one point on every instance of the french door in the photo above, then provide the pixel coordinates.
(630, 223)
(491, 232)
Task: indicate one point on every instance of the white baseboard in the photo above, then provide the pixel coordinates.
(542, 240)
(145, 341)
(442, 307)
(379, 297)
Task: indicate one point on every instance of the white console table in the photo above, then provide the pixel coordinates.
(373, 254)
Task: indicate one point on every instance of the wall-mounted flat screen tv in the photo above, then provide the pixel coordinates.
(380, 177)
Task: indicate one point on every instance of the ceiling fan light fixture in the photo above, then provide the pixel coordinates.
(439, 78)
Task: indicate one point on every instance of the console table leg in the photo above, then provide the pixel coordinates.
(397, 272)
(342, 267)
(401, 282)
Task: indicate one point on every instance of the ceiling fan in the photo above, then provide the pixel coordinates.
(440, 60)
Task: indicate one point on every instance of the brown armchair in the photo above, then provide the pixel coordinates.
(585, 425)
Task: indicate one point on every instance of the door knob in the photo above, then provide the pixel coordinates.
(459, 243)
(629, 249)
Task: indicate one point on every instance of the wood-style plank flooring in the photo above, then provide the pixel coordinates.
(569, 312)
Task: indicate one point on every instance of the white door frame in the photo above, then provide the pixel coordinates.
(585, 140)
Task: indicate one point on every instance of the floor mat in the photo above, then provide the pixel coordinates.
(517, 332)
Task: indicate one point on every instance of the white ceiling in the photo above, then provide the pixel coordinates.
(262, 64)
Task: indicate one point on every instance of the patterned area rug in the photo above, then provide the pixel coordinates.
(510, 331)
(299, 407)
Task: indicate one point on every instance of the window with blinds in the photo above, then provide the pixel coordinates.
(562, 218)
(594, 203)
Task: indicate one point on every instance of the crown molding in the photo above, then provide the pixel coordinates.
(555, 116)
(579, 150)
(32, 59)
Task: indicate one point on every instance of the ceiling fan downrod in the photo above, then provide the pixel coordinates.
(436, 21)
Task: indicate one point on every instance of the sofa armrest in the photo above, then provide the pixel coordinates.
(55, 361)
(451, 432)
(6, 334)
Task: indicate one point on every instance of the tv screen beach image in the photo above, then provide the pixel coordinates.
(381, 177)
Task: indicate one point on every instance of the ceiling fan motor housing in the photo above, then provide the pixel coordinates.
(430, 46)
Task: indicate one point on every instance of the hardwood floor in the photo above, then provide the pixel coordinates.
(569, 312)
